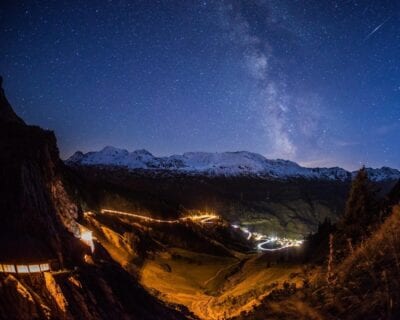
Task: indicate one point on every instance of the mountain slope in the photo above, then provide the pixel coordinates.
(219, 164)
(282, 207)
(372, 274)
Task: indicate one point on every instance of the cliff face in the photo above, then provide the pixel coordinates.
(38, 220)
(33, 225)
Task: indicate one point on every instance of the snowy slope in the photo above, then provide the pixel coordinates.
(219, 164)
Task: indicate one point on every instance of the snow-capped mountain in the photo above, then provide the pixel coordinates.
(239, 163)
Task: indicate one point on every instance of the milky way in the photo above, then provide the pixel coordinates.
(316, 82)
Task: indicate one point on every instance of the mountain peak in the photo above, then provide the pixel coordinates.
(240, 163)
(77, 156)
(111, 149)
(143, 152)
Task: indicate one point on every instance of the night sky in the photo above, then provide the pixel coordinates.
(317, 82)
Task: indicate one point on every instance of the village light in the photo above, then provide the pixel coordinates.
(87, 237)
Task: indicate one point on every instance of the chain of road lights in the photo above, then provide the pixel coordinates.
(282, 243)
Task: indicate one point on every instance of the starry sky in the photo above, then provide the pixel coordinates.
(317, 82)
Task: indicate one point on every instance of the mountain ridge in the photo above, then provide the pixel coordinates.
(238, 163)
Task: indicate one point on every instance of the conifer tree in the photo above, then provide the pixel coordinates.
(362, 209)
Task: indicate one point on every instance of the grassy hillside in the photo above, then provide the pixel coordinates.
(215, 287)
(356, 279)
(368, 281)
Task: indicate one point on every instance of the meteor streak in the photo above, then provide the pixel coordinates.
(376, 29)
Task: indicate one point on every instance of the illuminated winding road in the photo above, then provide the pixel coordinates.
(204, 218)
(244, 230)
(265, 240)
(283, 243)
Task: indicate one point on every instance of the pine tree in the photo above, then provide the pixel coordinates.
(362, 209)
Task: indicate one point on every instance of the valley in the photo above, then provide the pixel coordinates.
(216, 284)
(283, 208)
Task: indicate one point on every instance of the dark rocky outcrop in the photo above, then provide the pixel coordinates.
(33, 226)
(38, 219)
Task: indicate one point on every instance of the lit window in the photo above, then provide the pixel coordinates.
(44, 267)
(22, 269)
(34, 268)
(9, 268)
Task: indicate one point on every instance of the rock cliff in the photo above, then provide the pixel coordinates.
(38, 223)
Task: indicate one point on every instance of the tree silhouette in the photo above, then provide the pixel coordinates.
(362, 208)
